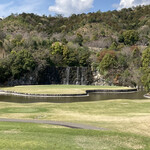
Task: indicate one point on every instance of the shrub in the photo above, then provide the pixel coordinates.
(104, 52)
(129, 37)
(107, 62)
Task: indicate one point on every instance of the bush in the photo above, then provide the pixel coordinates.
(107, 62)
(57, 48)
(129, 37)
(104, 52)
(79, 39)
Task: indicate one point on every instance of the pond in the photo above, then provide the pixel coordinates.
(91, 97)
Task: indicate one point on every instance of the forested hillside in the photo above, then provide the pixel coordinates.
(116, 43)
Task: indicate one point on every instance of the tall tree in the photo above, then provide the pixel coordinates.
(146, 68)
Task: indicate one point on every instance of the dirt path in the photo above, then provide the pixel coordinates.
(58, 123)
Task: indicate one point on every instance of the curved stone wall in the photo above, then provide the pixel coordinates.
(69, 95)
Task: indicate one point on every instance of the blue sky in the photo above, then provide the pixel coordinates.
(65, 7)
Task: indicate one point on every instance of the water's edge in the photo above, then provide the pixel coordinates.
(67, 95)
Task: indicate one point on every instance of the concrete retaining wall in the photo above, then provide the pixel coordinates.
(69, 95)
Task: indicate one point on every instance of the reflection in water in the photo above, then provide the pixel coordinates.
(91, 97)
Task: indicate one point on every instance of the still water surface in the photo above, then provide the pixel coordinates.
(91, 97)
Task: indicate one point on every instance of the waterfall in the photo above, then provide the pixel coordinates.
(67, 75)
(77, 81)
(83, 76)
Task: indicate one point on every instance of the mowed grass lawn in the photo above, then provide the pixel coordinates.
(127, 123)
(57, 89)
(22, 136)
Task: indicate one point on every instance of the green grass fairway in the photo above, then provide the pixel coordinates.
(57, 89)
(127, 121)
(23, 136)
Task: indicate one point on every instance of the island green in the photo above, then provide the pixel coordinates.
(59, 89)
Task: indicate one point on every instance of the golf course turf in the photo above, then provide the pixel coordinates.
(127, 124)
(60, 90)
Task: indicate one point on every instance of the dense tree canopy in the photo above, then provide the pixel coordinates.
(112, 42)
(22, 62)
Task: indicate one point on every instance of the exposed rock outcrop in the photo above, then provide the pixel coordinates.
(56, 75)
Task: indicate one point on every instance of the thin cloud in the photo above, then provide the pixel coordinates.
(131, 3)
(68, 7)
(18, 6)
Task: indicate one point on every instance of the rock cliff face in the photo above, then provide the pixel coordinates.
(66, 75)
(98, 79)
(60, 75)
(56, 75)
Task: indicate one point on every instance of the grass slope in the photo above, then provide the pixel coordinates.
(57, 89)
